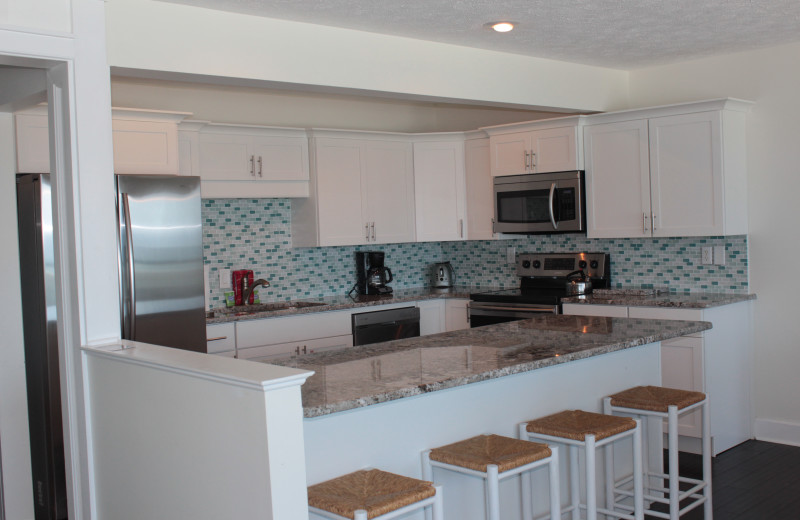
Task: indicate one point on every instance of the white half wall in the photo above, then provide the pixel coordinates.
(159, 36)
(771, 78)
(38, 15)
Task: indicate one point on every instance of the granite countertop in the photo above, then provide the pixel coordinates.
(335, 303)
(370, 374)
(658, 298)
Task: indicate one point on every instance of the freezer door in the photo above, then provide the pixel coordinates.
(161, 261)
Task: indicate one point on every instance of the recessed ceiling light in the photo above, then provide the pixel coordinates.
(501, 26)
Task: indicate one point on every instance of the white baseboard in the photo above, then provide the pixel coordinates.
(782, 432)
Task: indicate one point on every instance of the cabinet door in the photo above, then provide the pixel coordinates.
(439, 191)
(270, 331)
(339, 192)
(508, 153)
(554, 150)
(226, 157)
(617, 180)
(480, 190)
(456, 314)
(431, 317)
(388, 176)
(295, 348)
(221, 337)
(686, 175)
(33, 143)
(281, 158)
(682, 368)
(145, 147)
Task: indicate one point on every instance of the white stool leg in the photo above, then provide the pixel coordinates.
(672, 438)
(492, 492)
(574, 483)
(591, 482)
(427, 474)
(707, 507)
(608, 452)
(360, 515)
(438, 504)
(526, 491)
(638, 486)
(555, 493)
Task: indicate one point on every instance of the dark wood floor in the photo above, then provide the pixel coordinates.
(753, 481)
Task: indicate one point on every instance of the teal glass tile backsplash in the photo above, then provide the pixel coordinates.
(256, 234)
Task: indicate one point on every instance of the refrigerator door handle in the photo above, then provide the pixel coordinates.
(131, 317)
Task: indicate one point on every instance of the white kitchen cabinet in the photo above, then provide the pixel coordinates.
(665, 172)
(439, 190)
(295, 348)
(246, 161)
(362, 192)
(145, 141)
(431, 317)
(536, 147)
(221, 338)
(456, 314)
(480, 189)
(717, 362)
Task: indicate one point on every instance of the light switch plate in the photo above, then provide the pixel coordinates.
(719, 255)
(707, 255)
(224, 278)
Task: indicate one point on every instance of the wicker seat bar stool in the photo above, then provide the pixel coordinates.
(495, 458)
(578, 429)
(669, 404)
(373, 494)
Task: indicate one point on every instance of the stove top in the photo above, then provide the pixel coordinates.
(543, 277)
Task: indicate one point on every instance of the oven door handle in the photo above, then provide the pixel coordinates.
(513, 309)
(551, 198)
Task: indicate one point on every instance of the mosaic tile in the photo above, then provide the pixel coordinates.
(256, 234)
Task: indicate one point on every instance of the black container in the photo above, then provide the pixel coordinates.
(371, 275)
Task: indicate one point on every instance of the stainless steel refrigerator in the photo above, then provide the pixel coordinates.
(160, 239)
(39, 325)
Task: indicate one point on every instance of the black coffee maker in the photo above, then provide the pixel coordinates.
(372, 275)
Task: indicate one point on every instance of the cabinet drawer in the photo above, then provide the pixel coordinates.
(294, 348)
(582, 309)
(272, 331)
(221, 337)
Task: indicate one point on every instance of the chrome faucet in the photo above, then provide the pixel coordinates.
(251, 288)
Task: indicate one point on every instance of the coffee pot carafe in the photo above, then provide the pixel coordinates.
(443, 275)
(372, 276)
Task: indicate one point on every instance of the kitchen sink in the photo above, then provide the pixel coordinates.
(243, 310)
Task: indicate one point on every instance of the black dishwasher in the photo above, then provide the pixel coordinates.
(377, 326)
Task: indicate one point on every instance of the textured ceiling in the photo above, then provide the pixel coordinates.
(625, 34)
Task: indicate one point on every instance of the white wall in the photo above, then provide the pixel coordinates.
(259, 106)
(771, 78)
(159, 36)
(14, 440)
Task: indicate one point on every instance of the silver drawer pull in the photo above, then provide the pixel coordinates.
(217, 339)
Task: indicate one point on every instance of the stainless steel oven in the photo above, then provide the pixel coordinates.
(484, 313)
(540, 203)
(377, 326)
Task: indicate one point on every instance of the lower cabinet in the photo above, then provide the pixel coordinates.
(456, 314)
(295, 348)
(221, 338)
(717, 362)
(431, 317)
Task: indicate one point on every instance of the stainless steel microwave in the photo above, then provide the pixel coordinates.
(540, 203)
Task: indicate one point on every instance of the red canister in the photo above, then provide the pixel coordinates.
(238, 278)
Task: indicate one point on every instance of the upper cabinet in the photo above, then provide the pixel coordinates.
(245, 161)
(361, 191)
(666, 172)
(536, 147)
(145, 141)
(439, 190)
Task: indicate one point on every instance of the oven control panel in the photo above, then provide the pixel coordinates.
(596, 265)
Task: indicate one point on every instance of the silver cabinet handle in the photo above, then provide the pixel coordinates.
(297, 350)
(644, 223)
(217, 339)
(533, 160)
(467, 307)
(552, 215)
(461, 227)
(366, 226)
(305, 349)
(373, 231)
(493, 226)
(653, 223)
(253, 165)
(527, 162)
(260, 166)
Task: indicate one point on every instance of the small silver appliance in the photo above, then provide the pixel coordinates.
(443, 275)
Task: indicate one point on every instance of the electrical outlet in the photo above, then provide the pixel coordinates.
(719, 255)
(511, 255)
(224, 278)
(707, 255)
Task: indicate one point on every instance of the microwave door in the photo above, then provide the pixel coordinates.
(523, 211)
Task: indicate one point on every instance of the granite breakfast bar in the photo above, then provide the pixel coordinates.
(381, 405)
